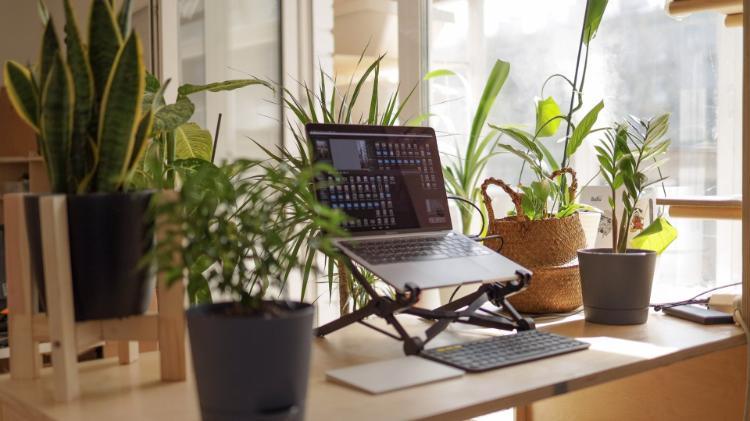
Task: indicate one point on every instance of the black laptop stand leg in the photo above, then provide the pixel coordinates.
(345, 320)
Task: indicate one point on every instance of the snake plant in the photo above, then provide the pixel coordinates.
(84, 101)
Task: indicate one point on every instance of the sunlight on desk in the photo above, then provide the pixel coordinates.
(627, 347)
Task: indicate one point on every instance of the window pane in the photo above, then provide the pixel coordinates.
(233, 39)
(643, 63)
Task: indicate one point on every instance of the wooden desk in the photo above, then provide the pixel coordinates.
(113, 392)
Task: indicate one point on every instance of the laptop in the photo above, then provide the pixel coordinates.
(391, 188)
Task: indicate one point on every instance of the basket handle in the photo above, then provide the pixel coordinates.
(573, 180)
(514, 196)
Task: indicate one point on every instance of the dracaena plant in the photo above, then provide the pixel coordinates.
(545, 198)
(241, 221)
(628, 156)
(85, 101)
(463, 171)
(177, 145)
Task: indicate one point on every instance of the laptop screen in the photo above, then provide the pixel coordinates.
(391, 178)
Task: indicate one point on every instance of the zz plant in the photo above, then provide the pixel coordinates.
(629, 153)
(85, 102)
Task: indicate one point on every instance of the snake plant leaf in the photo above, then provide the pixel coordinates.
(595, 11)
(41, 8)
(124, 18)
(50, 48)
(547, 117)
(172, 116)
(20, 87)
(57, 123)
(191, 141)
(80, 157)
(227, 85)
(584, 128)
(118, 118)
(141, 136)
(104, 43)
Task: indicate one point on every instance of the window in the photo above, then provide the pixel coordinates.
(642, 62)
(233, 39)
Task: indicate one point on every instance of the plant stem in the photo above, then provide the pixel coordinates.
(575, 89)
(614, 221)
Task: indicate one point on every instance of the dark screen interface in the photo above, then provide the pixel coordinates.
(388, 182)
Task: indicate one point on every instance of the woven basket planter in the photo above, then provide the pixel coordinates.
(552, 290)
(546, 247)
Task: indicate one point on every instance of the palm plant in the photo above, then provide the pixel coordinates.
(629, 153)
(329, 105)
(85, 103)
(463, 171)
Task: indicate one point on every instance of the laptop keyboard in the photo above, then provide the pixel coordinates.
(412, 249)
(505, 350)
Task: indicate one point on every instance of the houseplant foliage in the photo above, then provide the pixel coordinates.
(175, 143)
(85, 103)
(616, 282)
(249, 224)
(331, 105)
(463, 171)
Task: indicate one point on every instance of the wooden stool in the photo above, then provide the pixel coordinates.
(28, 327)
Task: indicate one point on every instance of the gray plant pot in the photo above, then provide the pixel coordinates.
(616, 287)
(251, 367)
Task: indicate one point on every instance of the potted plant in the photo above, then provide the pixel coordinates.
(84, 102)
(250, 352)
(543, 232)
(616, 282)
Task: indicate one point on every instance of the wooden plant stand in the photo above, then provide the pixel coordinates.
(28, 327)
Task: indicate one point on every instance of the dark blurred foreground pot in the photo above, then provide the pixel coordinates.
(616, 287)
(251, 366)
(109, 236)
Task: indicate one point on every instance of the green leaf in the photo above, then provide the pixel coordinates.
(152, 83)
(81, 157)
(124, 18)
(494, 84)
(657, 236)
(547, 117)
(50, 48)
(57, 123)
(118, 120)
(595, 11)
(21, 93)
(172, 116)
(584, 128)
(41, 9)
(418, 120)
(191, 141)
(227, 85)
(104, 43)
(438, 73)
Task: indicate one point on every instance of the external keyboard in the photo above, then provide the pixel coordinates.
(411, 249)
(505, 350)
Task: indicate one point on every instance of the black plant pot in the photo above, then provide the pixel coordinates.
(110, 235)
(251, 367)
(34, 234)
(616, 287)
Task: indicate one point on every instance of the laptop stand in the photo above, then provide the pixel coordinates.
(467, 309)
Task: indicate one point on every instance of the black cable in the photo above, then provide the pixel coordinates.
(470, 203)
(692, 300)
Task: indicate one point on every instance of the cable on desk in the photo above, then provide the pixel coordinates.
(693, 300)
